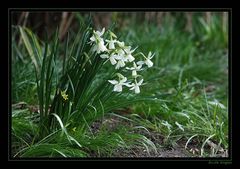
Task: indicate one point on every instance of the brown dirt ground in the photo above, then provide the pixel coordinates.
(172, 150)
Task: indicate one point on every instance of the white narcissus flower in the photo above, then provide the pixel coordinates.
(121, 44)
(120, 63)
(134, 69)
(121, 53)
(118, 84)
(101, 47)
(147, 61)
(97, 35)
(111, 43)
(112, 58)
(128, 54)
(99, 42)
(135, 86)
(121, 59)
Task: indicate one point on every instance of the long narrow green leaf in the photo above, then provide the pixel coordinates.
(29, 47)
(36, 46)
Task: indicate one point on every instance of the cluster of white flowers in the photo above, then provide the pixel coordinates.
(120, 55)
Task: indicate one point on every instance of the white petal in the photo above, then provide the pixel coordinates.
(125, 59)
(120, 75)
(128, 85)
(149, 63)
(130, 68)
(121, 44)
(134, 73)
(122, 64)
(140, 82)
(132, 88)
(117, 66)
(98, 50)
(128, 49)
(123, 80)
(130, 58)
(101, 46)
(140, 63)
(133, 50)
(95, 48)
(149, 54)
(104, 56)
(118, 57)
(117, 88)
(137, 89)
(98, 33)
(134, 65)
(112, 60)
(139, 67)
(120, 52)
(103, 30)
(113, 82)
(111, 45)
(93, 39)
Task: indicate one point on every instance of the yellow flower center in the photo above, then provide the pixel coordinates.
(64, 95)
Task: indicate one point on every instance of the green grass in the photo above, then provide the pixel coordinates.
(187, 64)
(189, 73)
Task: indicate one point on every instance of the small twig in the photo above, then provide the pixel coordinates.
(208, 17)
(65, 23)
(69, 21)
(189, 22)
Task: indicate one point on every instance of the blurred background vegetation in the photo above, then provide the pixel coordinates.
(185, 21)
